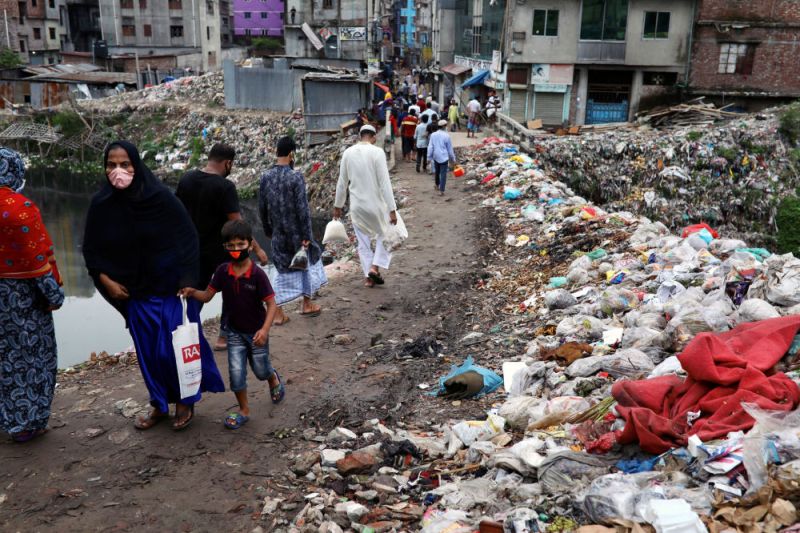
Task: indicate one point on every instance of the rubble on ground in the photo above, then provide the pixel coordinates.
(620, 345)
(730, 174)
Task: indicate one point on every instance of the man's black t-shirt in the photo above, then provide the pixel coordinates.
(208, 198)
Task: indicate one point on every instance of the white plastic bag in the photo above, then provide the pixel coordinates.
(335, 232)
(395, 235)
(186, 344)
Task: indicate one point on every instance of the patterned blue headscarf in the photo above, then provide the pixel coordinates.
(12, 170)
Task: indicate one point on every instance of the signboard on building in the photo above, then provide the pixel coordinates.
(474, 64)
(325, 33)
(497, 61)
(352, 33)
(547, 73)
(550, 88)
(312, 37)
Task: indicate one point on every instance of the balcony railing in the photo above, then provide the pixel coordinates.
(601, 51)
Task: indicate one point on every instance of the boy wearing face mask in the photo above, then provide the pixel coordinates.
(211, 201)
(245, 293)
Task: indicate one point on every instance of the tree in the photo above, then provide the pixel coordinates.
(9, 58)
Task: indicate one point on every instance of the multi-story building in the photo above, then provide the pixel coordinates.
(406, 30)
(746, 52)
(190, 28)
(258, 18)
(593, 61)
(83, 24)
(9, 25)
(42, 30)
(353, 31)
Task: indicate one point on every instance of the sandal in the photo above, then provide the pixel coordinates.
(282, 322)
(311, 314)
(183, 423)
(278, 392)
(26, 436)
(369, 283)
(145, 423)
(235, 420)
(376, 278)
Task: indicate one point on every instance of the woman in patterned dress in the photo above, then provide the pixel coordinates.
(30, 290)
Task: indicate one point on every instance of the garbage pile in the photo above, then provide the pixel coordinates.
(731, 174)
(649, 383)
(208, 89)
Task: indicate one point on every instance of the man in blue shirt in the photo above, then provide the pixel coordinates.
(440, 151)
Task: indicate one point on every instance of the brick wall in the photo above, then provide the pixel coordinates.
(775, 59)
(750, 10)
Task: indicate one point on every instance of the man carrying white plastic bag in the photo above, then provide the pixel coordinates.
(364, 175)
(186, 343)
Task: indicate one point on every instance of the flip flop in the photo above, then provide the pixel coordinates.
(311, 314)
(282, 322)
(369, 283)
(376, 278)
(235, 420)
(27, 436)
(177, 426)
(145, 423)
(278, 392)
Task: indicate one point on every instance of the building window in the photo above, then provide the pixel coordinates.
(142, 5)
(545, 22)
(22, 46)
(52, 32)
(147, 30)
(604, 20)
(126, 4)
(51, 4)
(736, 58)
(33, 3)
(247, 14)
(128, 27)
(209, 7)
(264, 33)
(264, 14)
(208, 33)
(176, 31)
(175, 4)
(656, 25)
(37, 33)
(476, 40)
(247, 32)
(327, 4)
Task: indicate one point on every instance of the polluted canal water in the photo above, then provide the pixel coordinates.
(86, 323)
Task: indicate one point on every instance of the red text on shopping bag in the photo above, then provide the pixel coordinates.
(191, 353)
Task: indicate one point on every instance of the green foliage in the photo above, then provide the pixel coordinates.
(728, 153)
(197, 147)
(788, 221)
(266, 43)
(290, 132)
(9, 58)
(694, 136)
(790, 123)
(794, 155)
(68, 123)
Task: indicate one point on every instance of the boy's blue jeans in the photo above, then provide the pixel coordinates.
(241, 350)
(441, 174)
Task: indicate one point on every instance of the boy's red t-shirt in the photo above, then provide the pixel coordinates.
(243, 297)
(409, 126)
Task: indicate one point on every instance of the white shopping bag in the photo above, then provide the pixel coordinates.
(186, 344)
(395, 235)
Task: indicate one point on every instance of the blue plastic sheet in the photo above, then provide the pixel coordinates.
(491, 381)
(512, 193)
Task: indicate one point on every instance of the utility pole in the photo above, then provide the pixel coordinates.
(138, 75)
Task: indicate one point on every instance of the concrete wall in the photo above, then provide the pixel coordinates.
(261, 88)
(257, 23)
(673, 51)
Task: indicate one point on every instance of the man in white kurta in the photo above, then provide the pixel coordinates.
(364, 174)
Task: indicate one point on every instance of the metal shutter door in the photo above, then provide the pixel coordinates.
(517, 107)
(549, 107)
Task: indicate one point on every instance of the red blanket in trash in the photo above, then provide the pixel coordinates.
(723, 371)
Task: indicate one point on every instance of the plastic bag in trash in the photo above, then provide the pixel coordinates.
(580, 327)
(755, 309)
(629, 362)
(520, 410)
(449, 521)
(470, 431)
(620, 496)
(642, 338)
(566, 472)
(783, 280)
(511, 193)
(775, 438)
(559, 299)
(617, 300)
(450, 384)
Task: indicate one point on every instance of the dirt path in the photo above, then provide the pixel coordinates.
(95, 472)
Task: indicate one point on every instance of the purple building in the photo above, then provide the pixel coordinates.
(258, 18)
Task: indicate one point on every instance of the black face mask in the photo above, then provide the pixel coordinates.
(239, 256)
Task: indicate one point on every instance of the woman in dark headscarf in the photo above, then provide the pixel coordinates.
(30, 290)
(140, 248)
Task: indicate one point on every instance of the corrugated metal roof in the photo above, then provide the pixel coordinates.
(455, 69)
(96, 77)
(60, 69)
